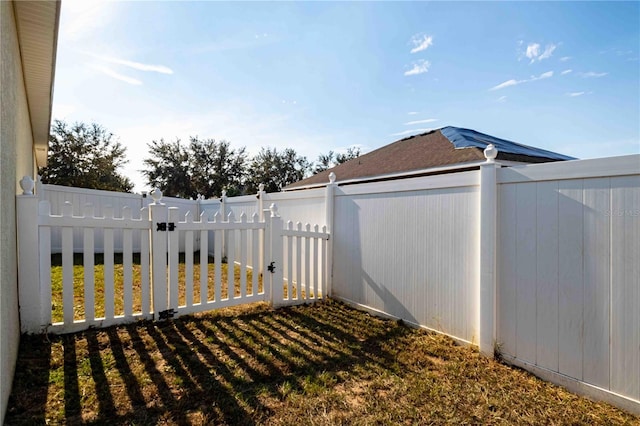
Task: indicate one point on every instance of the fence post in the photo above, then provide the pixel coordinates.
(29, 294)
(329, 204)
(223, 215)
(260, 207)
(488, 246)
(158, 213)
(275, 257)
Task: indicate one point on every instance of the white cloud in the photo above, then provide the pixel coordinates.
(421, 42)
(565, 58)
(593, 74)
(428, 120)
(136, 65)
(535, 53)
(412, 113)
(502, 99)
(513, 82)
(533, 50)
(548, 51)
(506, 84)
(117, 76)
(565, 72)
(411, 132)
(419, 67)
(576, 94)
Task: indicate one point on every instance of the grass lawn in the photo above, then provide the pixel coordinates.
(318, 364)
(118, 275)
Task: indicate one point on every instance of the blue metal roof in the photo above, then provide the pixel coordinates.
(466, 138)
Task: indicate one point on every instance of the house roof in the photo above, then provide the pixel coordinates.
(442, 148)
(37, 23)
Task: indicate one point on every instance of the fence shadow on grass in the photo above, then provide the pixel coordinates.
(224, 368)
(30, 383)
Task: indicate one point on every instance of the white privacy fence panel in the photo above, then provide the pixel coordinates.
(410, 250)
(308, 206)
(569, 270)
(247, 205)
(58, 195)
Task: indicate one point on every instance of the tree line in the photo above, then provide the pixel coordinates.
(89, 156)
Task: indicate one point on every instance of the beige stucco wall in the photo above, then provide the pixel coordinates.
(17, 159)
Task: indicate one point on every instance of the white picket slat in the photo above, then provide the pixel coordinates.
(217, 258)
(243, 257)
(188, 262)
(88, 254)
(255, 250)
(145, 263)
(174, 249)
(109, 283)
(67, 267)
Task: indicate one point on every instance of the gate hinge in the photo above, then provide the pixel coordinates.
(169, 313)
(272, 267)
(165, 226)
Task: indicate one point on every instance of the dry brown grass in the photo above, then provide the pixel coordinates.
(324, 364)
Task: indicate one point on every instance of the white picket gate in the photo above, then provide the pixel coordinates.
(162, 286)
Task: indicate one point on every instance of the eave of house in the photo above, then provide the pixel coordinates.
(37, 23)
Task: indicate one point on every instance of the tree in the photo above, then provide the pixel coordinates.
(352, 152)
(204, 167)
(325, 161)
(276, 169)
(215, 167)
(169, 169)
(329, 160)
(85, 156)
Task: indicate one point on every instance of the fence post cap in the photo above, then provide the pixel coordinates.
(332, 177)
(27, 184)
(490, 153)
(261, 187)
(274, 210)
(156, 195)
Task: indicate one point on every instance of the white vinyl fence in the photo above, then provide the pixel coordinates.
(410, 249)
(569, 271)
(540, 262)
(156, 289)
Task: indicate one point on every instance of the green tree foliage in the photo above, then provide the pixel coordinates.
(203, 167)
(352, 152)
(325, 162)
(331, 159)
(215, 167)
(168, 169)
(276, 169)
(85, 156)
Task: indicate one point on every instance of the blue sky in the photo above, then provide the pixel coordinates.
(563, 76)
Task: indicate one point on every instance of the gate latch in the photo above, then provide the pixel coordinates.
(165, 226)
(169, 313)
(272, 267)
